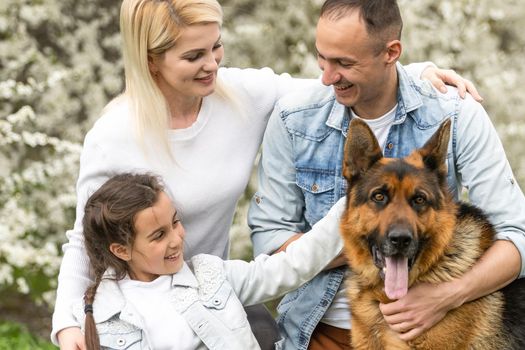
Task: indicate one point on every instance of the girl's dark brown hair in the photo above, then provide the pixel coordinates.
(109, 217)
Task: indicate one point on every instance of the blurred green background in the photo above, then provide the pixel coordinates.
(60, 64)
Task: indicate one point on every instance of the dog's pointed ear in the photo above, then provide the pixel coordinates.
(434, 152)
(361, 150)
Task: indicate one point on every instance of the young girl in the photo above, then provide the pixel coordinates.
(146, 297)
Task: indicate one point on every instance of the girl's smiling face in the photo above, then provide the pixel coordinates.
(159, 238)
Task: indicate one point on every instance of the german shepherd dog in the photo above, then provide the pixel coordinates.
(401, 227)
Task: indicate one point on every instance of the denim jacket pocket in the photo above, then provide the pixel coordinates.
(120, 341)
(318, 189)
(227, 307)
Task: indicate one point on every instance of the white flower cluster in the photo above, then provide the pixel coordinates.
(36, 201)
(56, 76)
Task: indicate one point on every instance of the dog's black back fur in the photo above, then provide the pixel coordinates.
(514, 293)
(514, 312)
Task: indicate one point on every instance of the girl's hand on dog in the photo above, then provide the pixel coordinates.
(424, 306)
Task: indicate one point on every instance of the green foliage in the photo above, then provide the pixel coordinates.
(15, 336)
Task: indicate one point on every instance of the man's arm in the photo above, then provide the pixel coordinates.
(276, 214)
(276, 210)
(486, 173)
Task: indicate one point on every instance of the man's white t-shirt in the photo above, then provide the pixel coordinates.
(338, 314)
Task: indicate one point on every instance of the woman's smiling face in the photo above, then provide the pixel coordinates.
(189, 69)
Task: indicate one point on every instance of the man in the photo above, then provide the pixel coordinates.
(358, 46)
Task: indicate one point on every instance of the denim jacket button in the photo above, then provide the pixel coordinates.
(315, 187)
(390, 145)
(121, 341)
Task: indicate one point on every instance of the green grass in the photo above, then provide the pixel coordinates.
(15, 336)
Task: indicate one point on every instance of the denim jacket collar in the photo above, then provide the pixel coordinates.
(113, 301)
(184, 278)
(114, 305)
(408, 100)
(339, 118)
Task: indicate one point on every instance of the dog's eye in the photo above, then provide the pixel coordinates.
(378, 197)
(419, 200)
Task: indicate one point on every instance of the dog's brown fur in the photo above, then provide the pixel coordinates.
(442, 238)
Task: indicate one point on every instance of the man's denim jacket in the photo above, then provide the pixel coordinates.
(300, 177)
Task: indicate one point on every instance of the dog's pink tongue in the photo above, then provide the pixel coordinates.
(396, 277)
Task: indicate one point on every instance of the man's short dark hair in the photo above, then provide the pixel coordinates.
(381, 17)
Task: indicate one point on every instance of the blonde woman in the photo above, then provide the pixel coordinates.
(182, 117)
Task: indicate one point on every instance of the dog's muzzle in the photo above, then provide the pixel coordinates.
(394, 256)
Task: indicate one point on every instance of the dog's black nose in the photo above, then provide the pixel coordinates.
(400, 238)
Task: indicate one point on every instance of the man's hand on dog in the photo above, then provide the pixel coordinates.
(423, 306)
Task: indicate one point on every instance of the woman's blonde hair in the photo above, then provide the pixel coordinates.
(149, 28)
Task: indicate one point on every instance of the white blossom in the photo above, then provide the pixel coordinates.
(22, 285)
